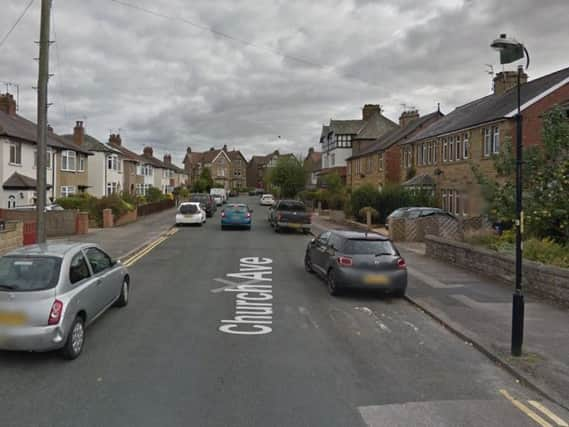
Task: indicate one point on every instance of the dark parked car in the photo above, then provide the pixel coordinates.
(355, 259)
(413, 213)
(289, 214)
(206, 201)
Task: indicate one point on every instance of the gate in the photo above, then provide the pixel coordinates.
(30, 235)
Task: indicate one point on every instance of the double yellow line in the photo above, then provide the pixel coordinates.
(147, 249)
(541, 419)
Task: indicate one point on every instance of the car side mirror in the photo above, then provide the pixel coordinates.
(312, 241)
(250, 210)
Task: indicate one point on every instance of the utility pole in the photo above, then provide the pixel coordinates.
(43, 77)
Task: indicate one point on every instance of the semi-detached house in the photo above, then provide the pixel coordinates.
(441, 156)
(67, 165)
(106, 172)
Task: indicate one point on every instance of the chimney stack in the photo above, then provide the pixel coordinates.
(407, 117)
(148, 152)
(189, 150)
(506, 80)
(49, 128)
(115, 139)
(168, 159)
(225, 147)
(310, 150)
(7, 104)
(369, 110)
(78, 133)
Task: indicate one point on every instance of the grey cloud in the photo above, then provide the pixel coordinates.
(172, 85)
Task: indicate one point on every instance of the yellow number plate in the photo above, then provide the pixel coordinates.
(376, 279)
(12, 319)
(294, 225)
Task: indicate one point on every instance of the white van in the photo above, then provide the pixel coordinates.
(219, 192)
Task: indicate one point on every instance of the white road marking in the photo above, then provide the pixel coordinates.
(416, 329)
(306, 314)
(371, 314)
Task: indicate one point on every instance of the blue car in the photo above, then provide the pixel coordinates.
(236, 215)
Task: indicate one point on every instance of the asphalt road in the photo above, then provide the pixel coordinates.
(351, 361)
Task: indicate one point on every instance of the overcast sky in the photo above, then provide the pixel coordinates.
(295, 64)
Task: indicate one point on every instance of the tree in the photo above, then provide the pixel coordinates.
(546, 182)
(287, 176)
(154, 195)
(204, 183)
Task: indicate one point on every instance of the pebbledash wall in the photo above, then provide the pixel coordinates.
(543, 280)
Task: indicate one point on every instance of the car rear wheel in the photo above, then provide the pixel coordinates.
(332, 285)
(308, 263)
(75, 340)
(400, 293)
(122, 301)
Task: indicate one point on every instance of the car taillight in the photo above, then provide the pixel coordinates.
(345, 261)
(279, 216)
(248, 214)
(55, 313)
(401, 263)
(222, 214)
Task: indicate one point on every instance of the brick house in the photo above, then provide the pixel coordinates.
(238, 170)
(216, 160)
(259, 166)
(106, 172)
(442, 154)
(312, 165)
(18, 153)
(378, 163)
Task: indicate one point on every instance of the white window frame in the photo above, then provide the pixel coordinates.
(67, 190)
(495, 139)
(81, 159)
(458, 147)
(66, 157)
(47, 159)
(445, 150)
(487, 142)
(465, 145)
(435, 152)
(16, 150)
(451, 151)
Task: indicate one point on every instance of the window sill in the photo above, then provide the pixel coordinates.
(15, 164)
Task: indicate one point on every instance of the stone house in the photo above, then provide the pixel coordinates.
(238, 170)
(106, 163)
(378, 163)
(66, 164)
(343, 138)
(312, 165)
(216, 160)
(442, 155)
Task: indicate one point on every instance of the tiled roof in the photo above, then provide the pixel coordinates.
(376, 126)
(325, 131)
(16, 126)
(236, 155)
(20, 182)
(398, 135)
(129, 155)
(90, 143)
(491, 107)
(346, 127)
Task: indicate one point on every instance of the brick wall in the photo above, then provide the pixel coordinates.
(11, 237)
(545, 281)
(126, 218)
(58, 223)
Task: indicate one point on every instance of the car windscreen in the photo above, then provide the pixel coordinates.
(368, 247)
(21, 274)
(201, 199)
(237, 209)
(188, 209)
(291, 206)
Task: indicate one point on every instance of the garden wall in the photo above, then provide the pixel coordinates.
(543, 280)
(57, 223)
(11, 237)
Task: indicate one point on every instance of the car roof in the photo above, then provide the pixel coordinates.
(235, 205)
(190, 203)
(363, 235)
(57, 249)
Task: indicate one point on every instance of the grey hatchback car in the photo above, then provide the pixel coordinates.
(50, 293)
(354, 259)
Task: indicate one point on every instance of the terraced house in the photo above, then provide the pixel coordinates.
(132, 182)
(440, 156)
(378, 163)
(238, 170)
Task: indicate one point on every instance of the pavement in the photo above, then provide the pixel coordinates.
(119, 242)
(479, 309)
(178, 354)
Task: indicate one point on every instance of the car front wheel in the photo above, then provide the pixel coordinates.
(122, 300)
(75, 340)
(308, 263)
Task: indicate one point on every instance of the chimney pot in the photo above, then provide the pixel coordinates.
(7, 104)
(369, 110)
(78, 133)
(506, 80)
(407, 117)
(148, 152)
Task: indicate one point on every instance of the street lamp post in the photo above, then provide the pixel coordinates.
(511, 50)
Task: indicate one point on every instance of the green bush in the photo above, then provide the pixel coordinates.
(547, 251)
(116, 204)
(366, 195)
(154, 195)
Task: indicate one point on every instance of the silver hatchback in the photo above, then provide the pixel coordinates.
(50, 293)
